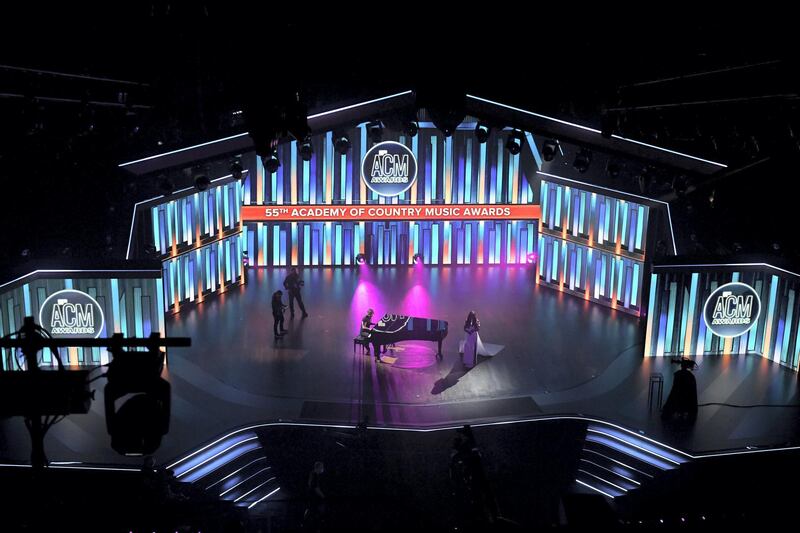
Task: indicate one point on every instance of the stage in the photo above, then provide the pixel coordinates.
(557, 355)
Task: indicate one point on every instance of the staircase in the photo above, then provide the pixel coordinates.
(233, 468)
(615, 462)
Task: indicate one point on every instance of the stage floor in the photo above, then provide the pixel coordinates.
(559, 355)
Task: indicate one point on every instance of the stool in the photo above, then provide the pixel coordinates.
(656, 390)
(360, 340)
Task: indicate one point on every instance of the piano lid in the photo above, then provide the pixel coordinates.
(391, 323)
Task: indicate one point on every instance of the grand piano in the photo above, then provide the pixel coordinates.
(396, 328)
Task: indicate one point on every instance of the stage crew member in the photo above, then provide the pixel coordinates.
(293, 283)
(277, 313)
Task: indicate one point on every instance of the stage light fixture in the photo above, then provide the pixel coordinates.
(549, 150)
(417, 259)
(341, 143)
(514, 142)
(482, 132)
(202, 182)
(613, 169)
(411, 128)
(306, 149)
(375, 131)
(165, 185)
(236, 170)
(361, 259)
(583, 160)
(531, 258)
(271, 163)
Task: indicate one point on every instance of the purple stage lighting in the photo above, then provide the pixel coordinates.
(531, 258)
(417, 259)
(361, 259)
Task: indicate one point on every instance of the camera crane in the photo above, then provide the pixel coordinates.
(34, 393)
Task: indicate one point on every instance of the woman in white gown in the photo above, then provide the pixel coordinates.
(472, 341)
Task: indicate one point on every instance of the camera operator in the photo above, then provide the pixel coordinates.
(682, 400)
(293, 283)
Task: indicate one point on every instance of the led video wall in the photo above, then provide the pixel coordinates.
(193, 275)
(184, 222)
(593, 245)
(130, 302)
(198, 236)
(451, 170)
(678, 295)
(393, 243)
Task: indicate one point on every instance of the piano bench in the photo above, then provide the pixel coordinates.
(363, 341)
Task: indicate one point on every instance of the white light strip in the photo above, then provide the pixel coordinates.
(592, 130)
(728, 265)
(309, 117)
(594, 489)
(669, 216)
(634, 445)
(672, 234)
(264, 498)
(256, 426)
(72, 272)
(237, 471)
(179, 150)
(609, 470)
(248, 478)
(234, 445)
(618, 462)
(353, 106)
(603, 480)
(721, 165)
(102, 468)
(254, 489)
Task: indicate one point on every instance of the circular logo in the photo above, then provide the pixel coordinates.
(389, 168)
(71, 314)
(732, 309)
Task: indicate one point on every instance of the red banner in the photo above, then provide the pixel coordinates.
(332, 213)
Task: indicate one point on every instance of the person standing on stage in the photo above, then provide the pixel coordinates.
(277, 313)
(471, 339)
(293, 283)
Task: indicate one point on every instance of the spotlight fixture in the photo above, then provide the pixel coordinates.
(514, 142)
(202, 182)
(417, 259)
(271, 162)
(411, 128)
(341, 142)
(613, 169)
(583, 160)
(482, 132)
(531, 258)
(236, 170)
(361, 259)
(549, 150)
(306, 149)
(165, 185)
(375, 131)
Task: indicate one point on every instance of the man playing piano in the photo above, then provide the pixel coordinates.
(366, 330)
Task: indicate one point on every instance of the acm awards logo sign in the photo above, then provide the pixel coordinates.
(72, 314)
(389, 168)
(732, 309)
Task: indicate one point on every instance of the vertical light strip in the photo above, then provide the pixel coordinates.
(767, 345)
(415, 149)
(651, 304)
(448, 171)
(468, 174)
(482, 176)
(328, 168)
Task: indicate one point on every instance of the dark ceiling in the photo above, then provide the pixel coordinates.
(154, 76)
